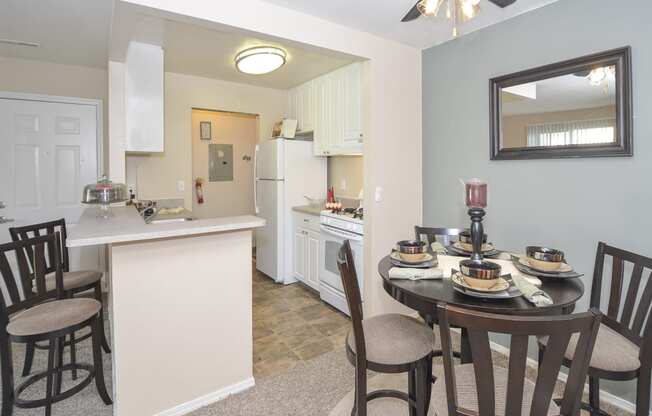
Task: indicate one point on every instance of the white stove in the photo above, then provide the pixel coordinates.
(335, 229)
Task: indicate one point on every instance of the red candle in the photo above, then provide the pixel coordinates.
(476, 193)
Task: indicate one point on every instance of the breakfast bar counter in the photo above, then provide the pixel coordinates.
(177, 292)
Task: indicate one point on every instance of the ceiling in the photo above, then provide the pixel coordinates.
(563, 93)
(382, 17)
(208, 52)
(74, 32)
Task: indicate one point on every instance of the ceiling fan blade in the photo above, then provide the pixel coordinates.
(502, 3)
(412, 14)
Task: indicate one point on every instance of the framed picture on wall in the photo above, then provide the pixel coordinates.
(205, 130)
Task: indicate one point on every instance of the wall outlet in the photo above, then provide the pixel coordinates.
(181, 186)
(343, 185)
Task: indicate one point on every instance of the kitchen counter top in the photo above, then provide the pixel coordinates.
(308, 209)
(127, 225)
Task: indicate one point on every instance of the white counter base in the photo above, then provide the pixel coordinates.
(181, 320)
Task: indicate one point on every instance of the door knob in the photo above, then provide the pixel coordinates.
(4, 220)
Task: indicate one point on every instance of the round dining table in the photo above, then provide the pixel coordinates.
(424, 295)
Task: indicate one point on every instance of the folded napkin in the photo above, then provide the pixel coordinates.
(530, 292)
(415, 274)
(438, 248)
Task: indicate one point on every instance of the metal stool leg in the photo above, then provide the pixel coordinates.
(7, 375)
(98, 297)
(29, 358)
(48, 387)
(96, 327)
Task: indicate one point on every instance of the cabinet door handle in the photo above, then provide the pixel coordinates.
(306, 220)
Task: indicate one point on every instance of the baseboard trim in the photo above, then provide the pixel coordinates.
(604, 395)
(209, 398)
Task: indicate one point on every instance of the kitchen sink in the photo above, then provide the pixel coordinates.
(168, 220)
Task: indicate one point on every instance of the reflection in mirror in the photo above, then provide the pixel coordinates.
(568, 110)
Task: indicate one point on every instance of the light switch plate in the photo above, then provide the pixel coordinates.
(181, 186)
(343, 185)
(378, 194)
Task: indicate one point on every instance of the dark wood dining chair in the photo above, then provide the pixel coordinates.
(623, 350)
(483, 389)
(390, 343)
(444, 236)
(30, 316)
(74, 282)
(436, 234)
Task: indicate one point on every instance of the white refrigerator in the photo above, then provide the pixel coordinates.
(285, 171)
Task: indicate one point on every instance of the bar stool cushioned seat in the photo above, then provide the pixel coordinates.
(467, 395)
(612, 351)
(394, 339)
(53, 316)
(74, 280)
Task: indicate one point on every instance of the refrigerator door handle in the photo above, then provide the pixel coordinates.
(256, 209)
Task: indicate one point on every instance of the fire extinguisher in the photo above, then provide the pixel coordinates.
(198, 189)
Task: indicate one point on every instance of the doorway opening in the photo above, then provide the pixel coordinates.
(223, 146)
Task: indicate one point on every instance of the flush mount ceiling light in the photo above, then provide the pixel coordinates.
(260, 60)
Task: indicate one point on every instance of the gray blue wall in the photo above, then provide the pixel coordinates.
(570, 204)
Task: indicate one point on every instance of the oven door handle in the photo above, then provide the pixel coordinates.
(341, 234)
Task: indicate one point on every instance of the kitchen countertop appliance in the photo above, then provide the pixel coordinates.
(103, 194)
(335, 229)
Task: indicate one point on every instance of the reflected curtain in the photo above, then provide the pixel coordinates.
(571, 133)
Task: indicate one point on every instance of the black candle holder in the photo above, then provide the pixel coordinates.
(477, 232)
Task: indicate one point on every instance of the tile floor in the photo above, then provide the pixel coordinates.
(291, 324)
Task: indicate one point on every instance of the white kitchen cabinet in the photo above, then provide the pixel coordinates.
(300, 244)
(331, 106)
(312, 248)
(144, 95)
(306, 114)
(306, 249)
(353, 136)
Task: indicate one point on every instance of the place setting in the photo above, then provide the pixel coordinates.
(411, 260)
(544, 262)
(464, 246)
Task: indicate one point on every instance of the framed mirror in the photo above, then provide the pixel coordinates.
(577, 108)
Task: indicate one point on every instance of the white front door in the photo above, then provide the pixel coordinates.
(48, 152)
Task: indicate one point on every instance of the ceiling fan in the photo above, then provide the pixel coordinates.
(456, 10)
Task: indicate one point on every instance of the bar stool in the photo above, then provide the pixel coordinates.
(34, 317)
(390, 343)
(73, 283)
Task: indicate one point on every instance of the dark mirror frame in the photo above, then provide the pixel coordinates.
(621, 58)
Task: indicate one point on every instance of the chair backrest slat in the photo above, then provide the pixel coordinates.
(616, 287)
(516, 371)
(36, 270)
(548, 372)
(431, 234)
(634, 284)
(558, 329)
(348, 274)
(45, 228)
(484, 374)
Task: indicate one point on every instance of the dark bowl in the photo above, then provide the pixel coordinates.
(465, 237)
(545, 254)
(412, 246)
(484, 270)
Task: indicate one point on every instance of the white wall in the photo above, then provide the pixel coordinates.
(393, 136)
(40, 77)
(159, 173)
